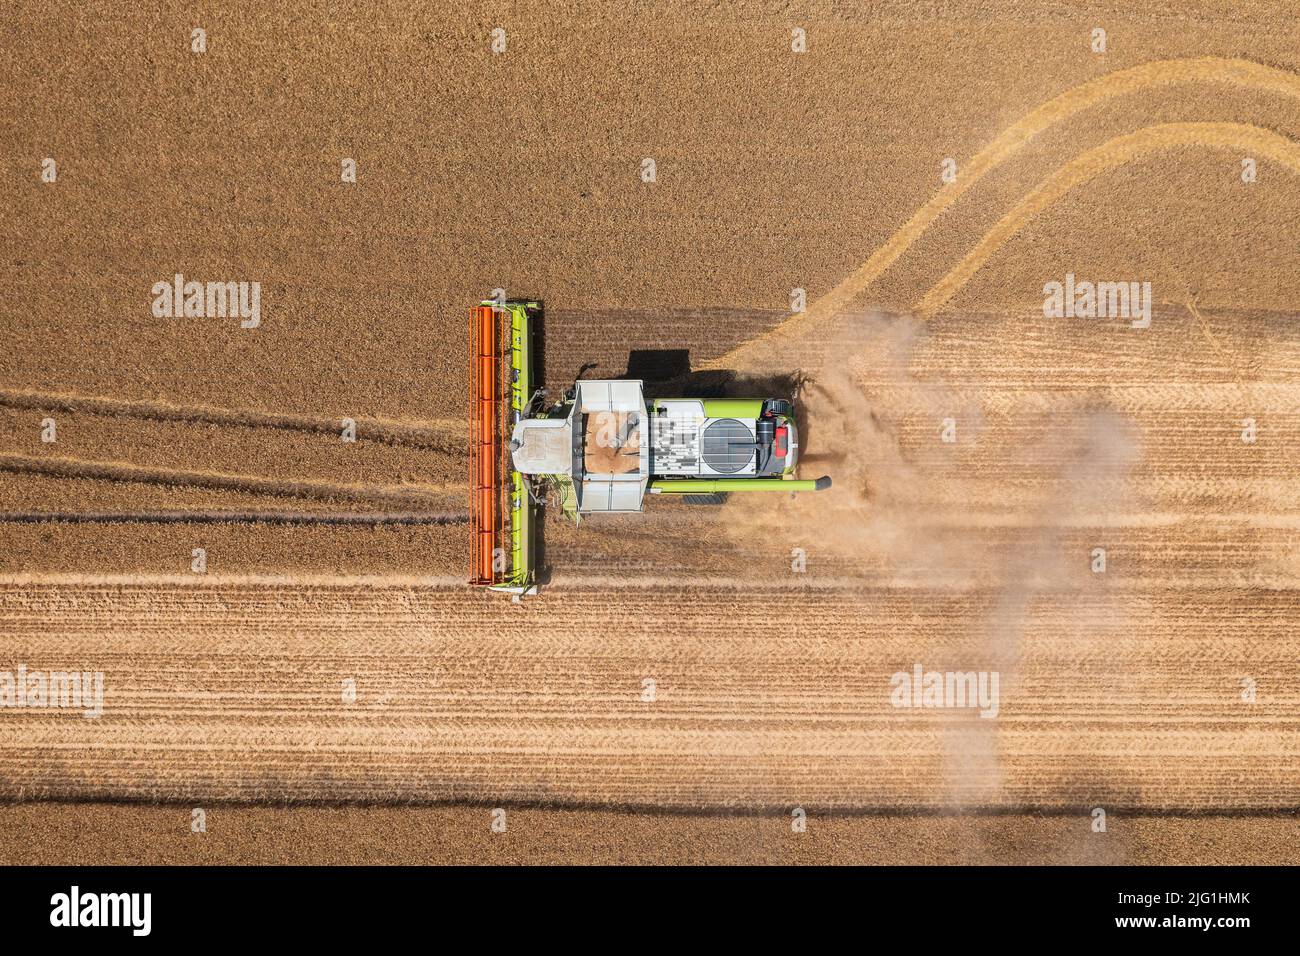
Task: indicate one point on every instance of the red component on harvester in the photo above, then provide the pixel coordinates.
(782, 441)
(485, 467)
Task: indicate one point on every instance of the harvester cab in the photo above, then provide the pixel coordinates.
(602, 448)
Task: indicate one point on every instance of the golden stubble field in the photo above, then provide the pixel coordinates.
(1166, 683)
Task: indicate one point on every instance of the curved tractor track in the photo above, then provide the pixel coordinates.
(1148, 76)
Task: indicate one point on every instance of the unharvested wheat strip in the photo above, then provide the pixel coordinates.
(180, 516)
(399, 431)
(62, 467)
(224, 581)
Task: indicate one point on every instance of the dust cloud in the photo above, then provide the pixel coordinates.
(910, 509)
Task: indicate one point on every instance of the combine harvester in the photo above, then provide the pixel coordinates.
(602, 448)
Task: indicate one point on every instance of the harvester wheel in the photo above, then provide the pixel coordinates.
(717, 498)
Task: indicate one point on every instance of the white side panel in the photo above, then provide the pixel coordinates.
(612, 495)
(610, 395)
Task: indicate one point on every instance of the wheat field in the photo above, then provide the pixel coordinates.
(1105, 514)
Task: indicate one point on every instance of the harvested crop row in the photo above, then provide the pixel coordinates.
(761, 697)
